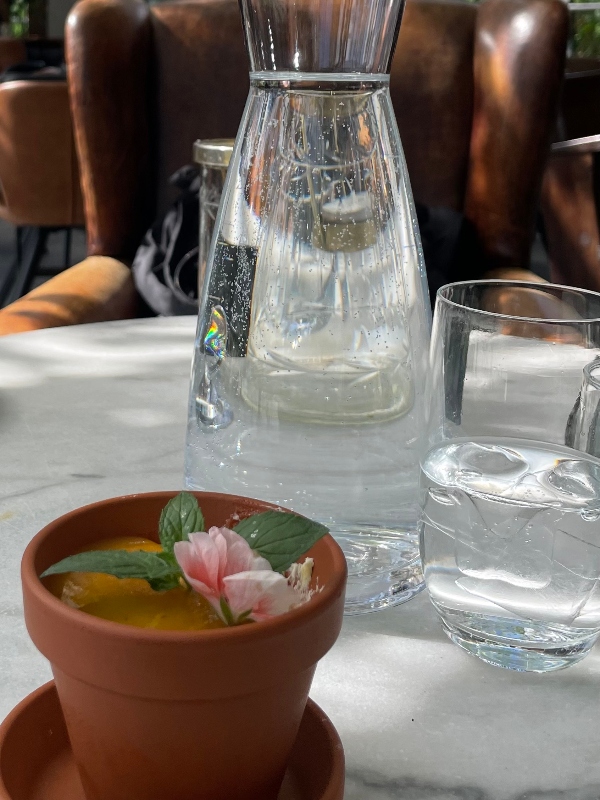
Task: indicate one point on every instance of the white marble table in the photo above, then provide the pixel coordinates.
(99, 410)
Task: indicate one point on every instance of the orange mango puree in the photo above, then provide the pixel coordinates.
(131, 601)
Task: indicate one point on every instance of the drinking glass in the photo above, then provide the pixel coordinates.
(583, 429)
(510, 532)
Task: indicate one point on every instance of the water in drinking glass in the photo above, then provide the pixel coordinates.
(510, 540)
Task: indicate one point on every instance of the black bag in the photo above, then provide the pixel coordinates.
(165, 268)
(451, 247)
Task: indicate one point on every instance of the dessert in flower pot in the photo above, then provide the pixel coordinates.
(183, 634)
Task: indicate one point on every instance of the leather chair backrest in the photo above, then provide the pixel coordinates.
(201, 72)
(432, 93)
(474, 89)
(39, 175)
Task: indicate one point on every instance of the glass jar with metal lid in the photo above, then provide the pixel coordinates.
(213, 156)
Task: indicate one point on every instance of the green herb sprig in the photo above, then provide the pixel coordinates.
(278, 536)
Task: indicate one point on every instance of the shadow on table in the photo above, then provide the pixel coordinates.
(421, 719)
(415, 619)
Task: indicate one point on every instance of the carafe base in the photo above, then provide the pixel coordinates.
(384, 567)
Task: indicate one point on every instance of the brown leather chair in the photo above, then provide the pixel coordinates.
(571, 187)
(39, 175)
(474, 88)
(12, 51)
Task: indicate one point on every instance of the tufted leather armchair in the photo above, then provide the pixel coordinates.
(39, 175)
(474, 88)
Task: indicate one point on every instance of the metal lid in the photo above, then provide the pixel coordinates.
(213, 152)
(351, 208)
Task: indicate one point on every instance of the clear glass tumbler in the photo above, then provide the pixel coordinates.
(510, 530)
(313, 332)
(583, 430)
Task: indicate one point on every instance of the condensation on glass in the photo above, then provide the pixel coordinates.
(314, 323)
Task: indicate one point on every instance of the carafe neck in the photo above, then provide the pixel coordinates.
(324, 37)
(347, 82)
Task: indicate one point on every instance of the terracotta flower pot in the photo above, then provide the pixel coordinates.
(168, 715)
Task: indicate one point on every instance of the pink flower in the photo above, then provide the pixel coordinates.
(222, 567)
(263, 593)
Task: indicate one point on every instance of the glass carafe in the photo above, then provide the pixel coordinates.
(308, 378)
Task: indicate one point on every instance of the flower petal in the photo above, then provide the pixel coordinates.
(263, 593)
(240, 556)
(213, 598)
(199, 560)
(220, 544)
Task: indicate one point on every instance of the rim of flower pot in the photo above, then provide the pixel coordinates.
(263, 629)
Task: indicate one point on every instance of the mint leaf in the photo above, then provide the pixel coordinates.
(151, 567)
(168, 558)
(171, 581)
(180, 517)
(279, 537)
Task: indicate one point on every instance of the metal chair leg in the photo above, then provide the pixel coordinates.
(19, 244)
(31, 243)
(67, 250)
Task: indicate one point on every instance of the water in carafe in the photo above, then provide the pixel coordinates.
(313, 324)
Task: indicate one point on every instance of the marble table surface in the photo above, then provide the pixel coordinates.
(99, 410)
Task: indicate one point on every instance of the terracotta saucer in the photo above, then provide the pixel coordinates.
(36, 762)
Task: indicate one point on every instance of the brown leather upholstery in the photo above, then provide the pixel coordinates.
(108, 59)
(571, 188)
(474, 89)
(164, 91)
(95, 290)
(519, 61)
(432, 93)
(39, 176)
(570, 210)
(202, 82)
(12, 51)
